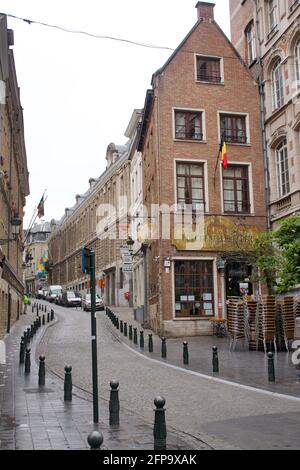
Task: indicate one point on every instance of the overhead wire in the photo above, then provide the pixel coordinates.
(112, 38)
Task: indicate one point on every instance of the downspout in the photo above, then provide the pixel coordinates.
(161, 322)
(262, 120)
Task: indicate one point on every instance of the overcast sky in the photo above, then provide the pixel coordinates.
(78, 93)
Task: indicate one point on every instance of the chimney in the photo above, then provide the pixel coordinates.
(205, 10)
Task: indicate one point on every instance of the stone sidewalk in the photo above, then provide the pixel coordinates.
(37, 418)
(248, 368)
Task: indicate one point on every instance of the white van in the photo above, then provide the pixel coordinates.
(54, 292)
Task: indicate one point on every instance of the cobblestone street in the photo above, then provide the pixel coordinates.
(221, 415)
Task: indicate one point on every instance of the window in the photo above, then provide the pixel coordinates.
(251, 47)
(190, 185)
(272, 15)
(209, 69)
(297, 62)
(188, 125)
(194, 289)
(277, 85)
(282, 164)
(236, 189)
(233, 127)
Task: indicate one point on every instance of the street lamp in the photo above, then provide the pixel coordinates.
(16, 223)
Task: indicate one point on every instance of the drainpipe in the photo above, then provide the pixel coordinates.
(262, 120)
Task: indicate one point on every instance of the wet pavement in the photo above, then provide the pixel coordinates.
(37, 418)
(249, 368)
(202, 411)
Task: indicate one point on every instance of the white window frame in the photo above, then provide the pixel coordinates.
(251, 43)
(246, 115)
(297, 62)
(215, 273)
(192, 110)
(205, 165)
(251, 195)
(279, 173)
(272, 11)
(277, 104)
(210, 57)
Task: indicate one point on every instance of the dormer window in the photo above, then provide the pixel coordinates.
(209, 69)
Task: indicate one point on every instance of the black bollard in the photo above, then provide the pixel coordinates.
(135, 338)
(40, 322)
(114, 404)
(42, 371)
(150, 343)
(160, 429)
(27, 361)
(163, 348)
(28, 335)
(215, 360)
(48, 317)
(68, 384)
(142, 341)
(25, 339)
(95, 440)
(42, 308)
(22, 351)
(43, 319)
(45, 308)
(32, 331)
(185, 353)
(125, 329)
(121, 326)
(117, 324)
(52, 315)
(130, 332)
(32, 309)
(271, 367)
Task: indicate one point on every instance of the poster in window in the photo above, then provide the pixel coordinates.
(207, 307)
(184, 298)
(178, 307)
(207, 297)
(191, 298)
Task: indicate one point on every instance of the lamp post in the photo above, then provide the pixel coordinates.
(130, 242)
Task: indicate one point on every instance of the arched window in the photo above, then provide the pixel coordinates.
(297, 62)
(277, 85)
(250, 39)
(282, 168)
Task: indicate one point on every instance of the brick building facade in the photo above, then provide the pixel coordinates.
(14, 186)
(267, 35)
(202, 92)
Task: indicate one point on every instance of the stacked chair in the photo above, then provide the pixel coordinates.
(285, 321)
(252, 312)
(266, 322)
(237, 322)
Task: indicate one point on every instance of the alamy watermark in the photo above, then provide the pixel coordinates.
(183, 222)
(296, 353)
(2, 352)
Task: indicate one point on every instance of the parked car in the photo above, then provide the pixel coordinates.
(86, 302)
(54, 292)
(69, 299)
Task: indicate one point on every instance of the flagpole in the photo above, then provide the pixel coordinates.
(220, 150)
(32, 222)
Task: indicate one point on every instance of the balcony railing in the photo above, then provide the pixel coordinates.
(203, 77)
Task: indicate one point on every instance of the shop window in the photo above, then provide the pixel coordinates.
(194, 289)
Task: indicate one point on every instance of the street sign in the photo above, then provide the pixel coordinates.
(127, 259)
(86, 260)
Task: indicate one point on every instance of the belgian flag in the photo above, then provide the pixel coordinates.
(223, 151)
